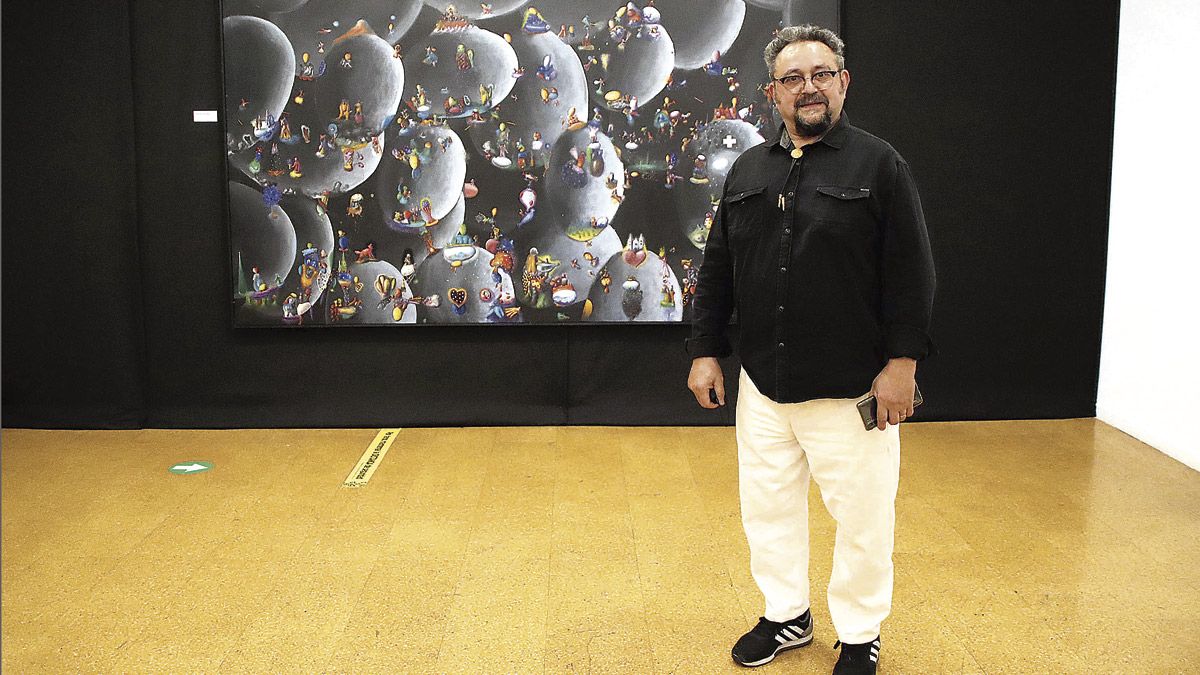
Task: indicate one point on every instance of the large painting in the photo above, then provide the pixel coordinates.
(396, 162)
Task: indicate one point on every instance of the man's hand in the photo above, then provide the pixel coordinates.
(706, 376)
(894, 389)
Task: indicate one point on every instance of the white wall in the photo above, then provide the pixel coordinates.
(1150, 356)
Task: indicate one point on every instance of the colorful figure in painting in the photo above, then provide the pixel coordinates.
(546, 70)
(306, 68)
(573, 173)
(461, 248)
(690, 276)
(535, 279)
(272, 195)
(464, 58)
(408, 270)
(311, 265)
(562, 292)
(291, 312)
(631, 297)
(365, 255)
(458, 300)
(391, 293)
(347, 305)
(635, 250)
(668, 291)
(534, 23)
(700, 170)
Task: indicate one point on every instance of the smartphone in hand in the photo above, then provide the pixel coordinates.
(866, 408)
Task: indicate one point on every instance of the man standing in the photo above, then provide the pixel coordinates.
(820, 244)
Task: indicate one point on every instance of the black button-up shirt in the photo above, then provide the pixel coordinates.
(826, 259)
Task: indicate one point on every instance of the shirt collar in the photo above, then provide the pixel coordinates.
(834, 138)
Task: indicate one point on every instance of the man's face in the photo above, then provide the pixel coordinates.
(813, 111)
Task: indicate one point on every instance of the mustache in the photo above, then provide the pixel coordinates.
(812, 98)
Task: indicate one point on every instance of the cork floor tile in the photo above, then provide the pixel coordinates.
(573, 550)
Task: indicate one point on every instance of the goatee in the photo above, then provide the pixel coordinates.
(815, 128)
(821, 125)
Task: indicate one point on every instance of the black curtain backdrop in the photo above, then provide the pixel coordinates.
(115, 240)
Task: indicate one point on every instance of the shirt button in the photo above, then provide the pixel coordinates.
(781, 308)
(783, 270)
(787, 230)
(781, 345)
(790, 194)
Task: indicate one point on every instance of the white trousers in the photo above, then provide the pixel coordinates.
(857, 471)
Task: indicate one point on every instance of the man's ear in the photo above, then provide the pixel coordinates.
(770, 91)
(845, 77)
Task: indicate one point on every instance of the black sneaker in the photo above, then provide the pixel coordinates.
(857, 659)
(768, 638)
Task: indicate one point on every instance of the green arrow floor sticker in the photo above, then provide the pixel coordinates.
(186, 468)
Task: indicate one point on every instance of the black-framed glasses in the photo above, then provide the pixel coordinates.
(795, 83)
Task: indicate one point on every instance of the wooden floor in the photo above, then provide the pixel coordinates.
(1022, 547)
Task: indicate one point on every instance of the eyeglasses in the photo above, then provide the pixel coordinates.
(795, 83)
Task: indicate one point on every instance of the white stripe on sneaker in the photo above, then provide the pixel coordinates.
(780, 639)
(788, 633)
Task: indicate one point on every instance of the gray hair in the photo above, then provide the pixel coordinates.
(804, 33)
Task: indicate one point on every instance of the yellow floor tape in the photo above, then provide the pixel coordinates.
(371, 458)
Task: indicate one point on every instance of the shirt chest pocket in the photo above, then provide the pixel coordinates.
(844, 208)
(744, 214)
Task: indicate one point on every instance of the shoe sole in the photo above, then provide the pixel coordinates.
(783, 647)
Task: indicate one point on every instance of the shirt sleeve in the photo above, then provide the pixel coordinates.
(907, 271)
(714, 300)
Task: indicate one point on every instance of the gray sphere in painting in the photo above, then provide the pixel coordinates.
(262, 238)
(303, 168)
(319, 23)
(258, 76)
(422, 174)
(633, 70)
(313, 229)
(470, 283)
(552, 86)
(360, 72)
(704, 168)
(699, 33)
(579, 261)
(826, 13)
(584, 184)
(457, 71)
(329, 138)
(476, 10)
(374, 309)
(641, 288)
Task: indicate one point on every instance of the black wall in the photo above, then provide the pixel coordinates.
(115, 243)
